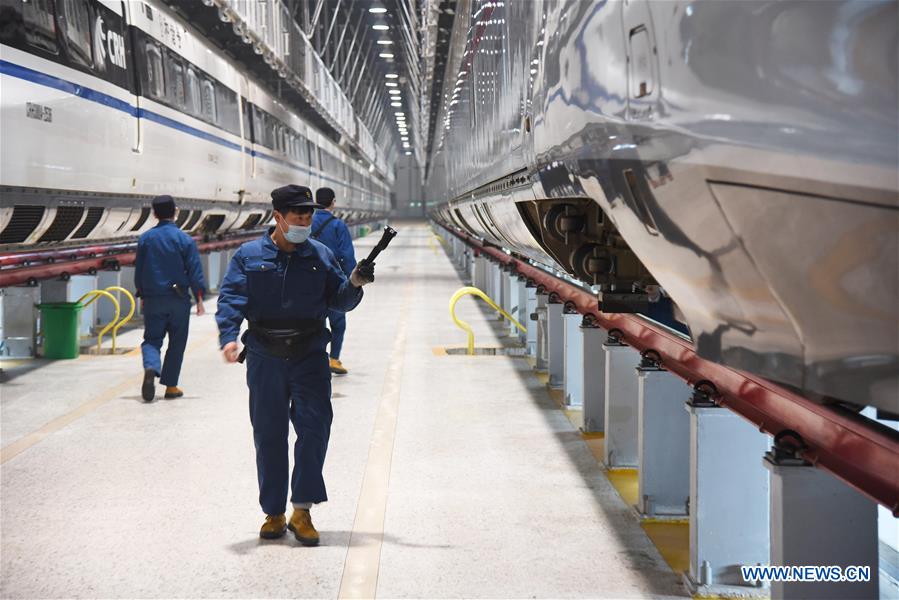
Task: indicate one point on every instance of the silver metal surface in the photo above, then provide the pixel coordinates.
(594, 380)
(818, 520)
(621, 406)
(728, 502)
(663, 444)
(575, 360)
(745, 151)
(17, 319)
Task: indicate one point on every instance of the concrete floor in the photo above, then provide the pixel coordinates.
(449, 476)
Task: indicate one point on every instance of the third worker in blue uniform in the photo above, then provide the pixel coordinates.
(331, 231)
(166, 270)
(284, 284)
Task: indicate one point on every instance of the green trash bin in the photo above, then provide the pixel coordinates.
(59, 322)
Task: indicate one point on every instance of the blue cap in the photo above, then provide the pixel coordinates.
(290, 196)
(324, 196)
(164, 206)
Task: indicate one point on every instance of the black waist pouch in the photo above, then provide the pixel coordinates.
(285, 340)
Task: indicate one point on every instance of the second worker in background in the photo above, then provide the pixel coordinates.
(331, 231)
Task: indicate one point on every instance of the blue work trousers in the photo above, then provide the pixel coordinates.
(165, 315)
(337, 322)
(286, 391)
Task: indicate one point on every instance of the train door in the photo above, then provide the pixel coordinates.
(130, 12)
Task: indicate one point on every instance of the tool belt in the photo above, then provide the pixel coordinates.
(283, 339)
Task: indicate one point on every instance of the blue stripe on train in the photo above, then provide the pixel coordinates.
(20, 72)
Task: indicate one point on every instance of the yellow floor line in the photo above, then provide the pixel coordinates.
(363, 557)
(596, 442)
(673, 542)
(625, 481)
(131, 381)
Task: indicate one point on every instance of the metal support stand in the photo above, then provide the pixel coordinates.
(213, 269)
(594, 373)
(530, 308)
(479, 273)
(514, 303)
(728, 501)
(621, 404)
(574, 359)
(818, 520)
(663, 443)
(555, 342)
(522, 314)
(505, 281)
(496, 286)
(539, 317)
(105, 310)
(18, 317)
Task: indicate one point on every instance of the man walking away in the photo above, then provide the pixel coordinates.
(331, 231)
(167, 268)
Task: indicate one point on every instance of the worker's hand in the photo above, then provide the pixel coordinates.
(230, 352)
(201, 310)
(363, 274)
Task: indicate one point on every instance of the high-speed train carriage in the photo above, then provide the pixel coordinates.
(740, 155)
(107, 104)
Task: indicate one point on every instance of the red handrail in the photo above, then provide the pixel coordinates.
(859, 451)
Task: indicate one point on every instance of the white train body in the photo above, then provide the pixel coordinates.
(107, 104)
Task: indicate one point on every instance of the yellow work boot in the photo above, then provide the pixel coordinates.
(302, 528)
(337, 367)
(172, 391)
(274, 527)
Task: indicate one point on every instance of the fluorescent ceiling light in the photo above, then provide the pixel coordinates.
(384, 42)
(396, 104)
(391, 84)
(386, 55)
(408, 154)
(380, 27)
(378, 10)
(391, 76)
(400, 113)
(394, 92)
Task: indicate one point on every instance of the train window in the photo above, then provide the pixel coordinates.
(153, 80)
(207, 100)
(174, 81)
(192, 92)
(227, 113)
(258, 126)
(40, 27)
(74, 19)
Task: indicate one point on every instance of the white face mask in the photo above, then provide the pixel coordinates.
(297, 234)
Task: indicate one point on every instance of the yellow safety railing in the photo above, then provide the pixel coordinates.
(127, 318)
(94, 294)
(473, 291)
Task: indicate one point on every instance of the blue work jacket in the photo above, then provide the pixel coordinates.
(336, 236)
(167, 256)
(264, 283)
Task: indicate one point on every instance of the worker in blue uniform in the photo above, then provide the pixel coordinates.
(331, 231)
(166, 269)
(284, 284)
